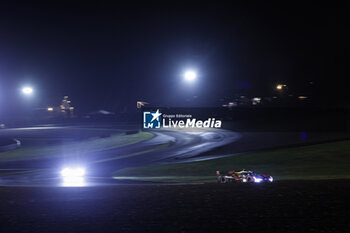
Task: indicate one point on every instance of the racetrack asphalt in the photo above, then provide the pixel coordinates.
(31, 201)
(168, 146)
(165, 145)
(283, 206)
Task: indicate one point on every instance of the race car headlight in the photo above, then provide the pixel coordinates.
(73, 172)
(270, 179)
(73, 177)
(257, 180)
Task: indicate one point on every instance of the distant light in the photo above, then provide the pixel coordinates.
(50, 109)
(303, 135)
(280, 86)
(256, 100)
(271, 179)
(232, 104)
(27, 90)
(190, 76)
(302, 97)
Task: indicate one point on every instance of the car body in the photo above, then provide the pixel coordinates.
(242, 176)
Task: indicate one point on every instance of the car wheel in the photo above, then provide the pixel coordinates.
(219, 179)
(223, 180)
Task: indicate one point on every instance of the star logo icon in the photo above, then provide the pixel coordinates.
(156, 115)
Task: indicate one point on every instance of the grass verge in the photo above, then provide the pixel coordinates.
(322, 161)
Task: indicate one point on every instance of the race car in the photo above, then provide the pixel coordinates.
(242, 176)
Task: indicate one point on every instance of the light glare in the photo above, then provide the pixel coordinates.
(280, 87)
(190, 76)
(257, 180)
(73, 177)
(73, 172)
(27, 90)
(73, 182)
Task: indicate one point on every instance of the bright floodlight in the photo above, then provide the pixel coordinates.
(190, 76)
(27, 90)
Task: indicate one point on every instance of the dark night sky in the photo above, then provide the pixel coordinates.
(108, 56)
